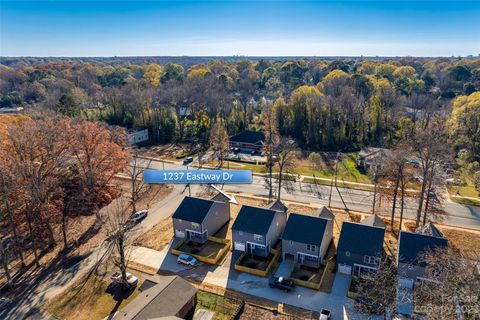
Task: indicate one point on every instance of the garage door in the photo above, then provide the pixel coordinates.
(406, 283)
(343, 268)
(179, 233)
(240, 246)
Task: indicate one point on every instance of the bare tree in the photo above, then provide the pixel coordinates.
(135, 174)
(119, 231)
(381, 286)
(430, 145)
(219, 141)
(271, 139)
(396, 175)
(287, 155)
(454, 289)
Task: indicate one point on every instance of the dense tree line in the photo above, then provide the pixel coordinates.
(323, 104)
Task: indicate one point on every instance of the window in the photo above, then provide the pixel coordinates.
(311, 247)
(370, 259)
(347, 253)
(257, 237)
(195, 226)
(310, 258)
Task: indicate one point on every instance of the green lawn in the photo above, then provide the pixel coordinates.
(466, 201)
(88, 299)
(224, 308)
(340, 184)
(347, 170)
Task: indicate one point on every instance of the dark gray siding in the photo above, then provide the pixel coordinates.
(217, 217)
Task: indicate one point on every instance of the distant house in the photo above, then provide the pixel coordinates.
(135, 137)
(166, 298)
(360, 248)
(306, 238)
(372, 158)
(257, 230)
(411, 247)
(248, 141)
(195, 219)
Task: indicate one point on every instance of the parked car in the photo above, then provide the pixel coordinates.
(4, 303)
(368, 305)
(138, 216)
(281, 283)
(187, 160)
(132, 281)
(187, 259)
(325, 314)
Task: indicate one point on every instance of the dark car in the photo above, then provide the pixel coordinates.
(187, 160)
(281, 283)
(368, 305)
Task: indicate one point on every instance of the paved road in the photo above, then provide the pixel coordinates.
(456, 214)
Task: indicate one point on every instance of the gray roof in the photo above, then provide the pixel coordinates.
(251, 137)
(193, 209)
(305, 229)
(166, 298)
(324, 212)
(361, 239)
(429, 230)
(411, 246)
(374, 221)
(278, 205)
(254, 220)
(221, 197)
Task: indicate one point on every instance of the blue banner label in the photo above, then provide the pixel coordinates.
(197, 176)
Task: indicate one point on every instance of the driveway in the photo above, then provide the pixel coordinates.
(341, 284)
(284, 268)
(225, 276)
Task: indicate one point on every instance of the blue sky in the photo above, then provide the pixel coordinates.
(273, 28)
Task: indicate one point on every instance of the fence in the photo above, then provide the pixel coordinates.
(258, 272)
(308, 284)
(215, 260)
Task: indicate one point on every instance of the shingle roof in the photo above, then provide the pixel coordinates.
(324, 212)
(254, 220)
(305, 229)
(193, 209)
(374, 221)
(361, 239)
(411, 246)
(166, 298)
(429, 230)
(278, 205)
(252, 137)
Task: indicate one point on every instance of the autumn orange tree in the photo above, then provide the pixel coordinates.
(53, 168)
(100, 153)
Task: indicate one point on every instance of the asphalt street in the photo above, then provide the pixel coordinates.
(357, 200)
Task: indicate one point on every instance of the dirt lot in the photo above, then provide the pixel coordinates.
(157, 237)
(171, 151)
(466, 242)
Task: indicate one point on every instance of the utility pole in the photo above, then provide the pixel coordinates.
(331, 183)
(270, 164)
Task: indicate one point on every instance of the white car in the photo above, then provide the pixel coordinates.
(138, 216)
(187, 260)
(131, 279)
